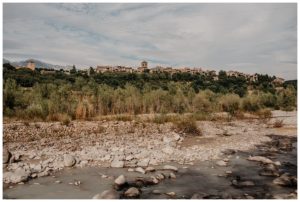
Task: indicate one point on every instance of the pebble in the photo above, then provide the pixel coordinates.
(155, 191)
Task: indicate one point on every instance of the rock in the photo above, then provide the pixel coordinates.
(176, 137)
(199, 196)
(160, 176)
(140, 170)
(154, 180)
(69, 160)
(6, 155)
(261, 159)
(150, 169)
(172, 176)
(246, 184)
(44, 173)
(143, 163)
(132, 192)
(285, 196)
(286, 180)
(116, 163)
(171, 193)
(228, 172)
(155, 191)
(77, 183)
(168, 150)
(277, 163)
(57, 182)
(120, 180)
(221, 163)
(19, 175)
(129, 158)
(130, 169)
(107, 194)
(270, 167)
(168, 167)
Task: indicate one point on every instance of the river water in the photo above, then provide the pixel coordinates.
(203, 178)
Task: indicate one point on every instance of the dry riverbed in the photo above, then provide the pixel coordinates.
(84, 158)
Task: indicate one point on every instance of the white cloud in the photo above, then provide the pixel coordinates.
(247, 37)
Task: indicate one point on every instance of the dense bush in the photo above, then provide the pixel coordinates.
(76, 96)
(230, 103)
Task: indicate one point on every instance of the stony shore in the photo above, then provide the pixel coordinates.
(38, 149)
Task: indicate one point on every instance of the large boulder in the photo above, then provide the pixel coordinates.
(19, 175)
(69, 160)
(107, 194)
(6, 155)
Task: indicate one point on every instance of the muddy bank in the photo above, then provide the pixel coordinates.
(237, 177)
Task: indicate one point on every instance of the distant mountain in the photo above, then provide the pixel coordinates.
(38, 64)
(5, 61)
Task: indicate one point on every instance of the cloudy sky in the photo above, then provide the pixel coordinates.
(245, 37)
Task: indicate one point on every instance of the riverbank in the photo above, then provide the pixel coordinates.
(48, 149)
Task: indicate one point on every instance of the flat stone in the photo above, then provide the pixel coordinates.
(140, 170)
(261, 159)
(169, 167)
(150, 169)
(107, 194)
(143, 163)
(117, 164)
(221, 163)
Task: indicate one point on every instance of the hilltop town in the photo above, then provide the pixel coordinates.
(144, 68)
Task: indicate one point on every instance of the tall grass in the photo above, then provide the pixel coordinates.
(85, 101)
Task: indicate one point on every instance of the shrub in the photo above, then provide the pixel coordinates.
(230, 103)
(202, 103)
(265, 114)
(188, 126)
(278, 124)
(251, 103)
(124, 118)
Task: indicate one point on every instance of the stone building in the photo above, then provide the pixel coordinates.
(31, 65)
(143, 67)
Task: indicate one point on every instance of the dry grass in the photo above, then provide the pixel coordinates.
(264, 114)
(188, 127)
(278, 124)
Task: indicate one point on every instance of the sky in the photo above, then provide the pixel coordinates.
(249, 38)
